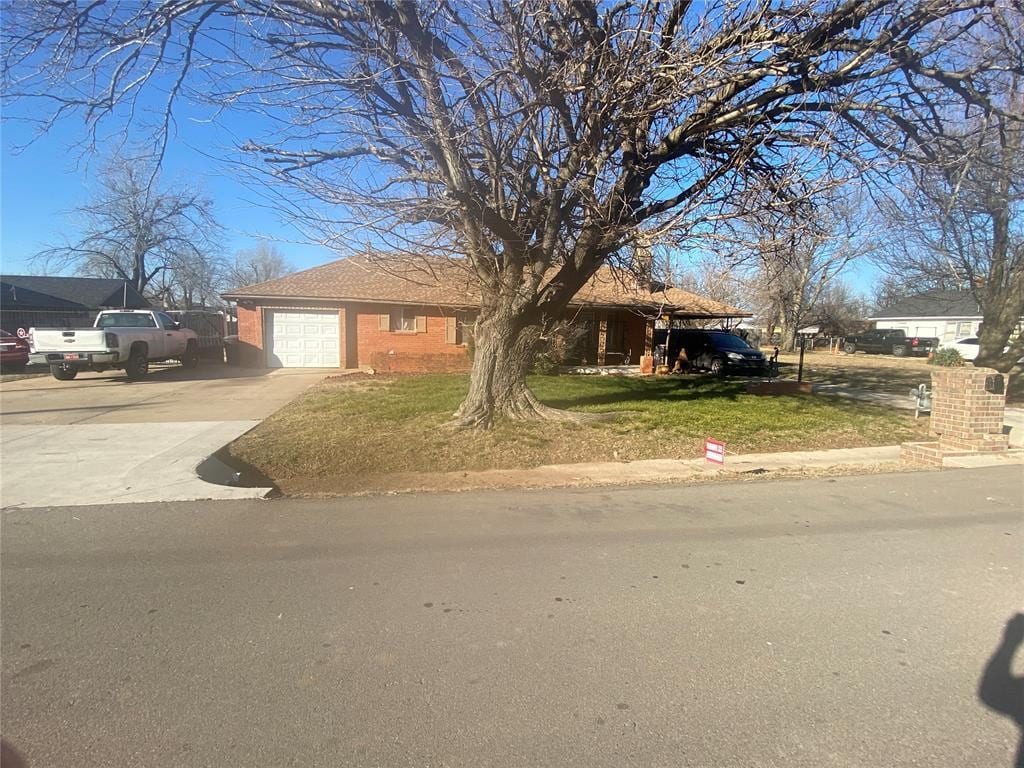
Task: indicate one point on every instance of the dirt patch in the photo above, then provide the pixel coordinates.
(878, 373)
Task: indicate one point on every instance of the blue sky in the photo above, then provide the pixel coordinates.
(42, 183)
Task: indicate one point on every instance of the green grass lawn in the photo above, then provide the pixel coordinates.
(351, 434)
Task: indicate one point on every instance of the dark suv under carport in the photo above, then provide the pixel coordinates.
(718, 351)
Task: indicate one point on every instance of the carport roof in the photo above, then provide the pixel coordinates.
(68, 293)
(444, 282)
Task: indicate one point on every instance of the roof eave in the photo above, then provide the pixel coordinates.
(656, 309)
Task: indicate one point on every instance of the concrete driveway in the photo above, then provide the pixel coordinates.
(101, 439)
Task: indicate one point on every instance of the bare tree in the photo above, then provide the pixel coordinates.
(715, 278)
(526, 140)
(840, 311)
(194, 281)
(135, 231)
(959, 223)
(798, 258)
(256, 265)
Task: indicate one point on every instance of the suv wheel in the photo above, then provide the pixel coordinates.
(717, 367)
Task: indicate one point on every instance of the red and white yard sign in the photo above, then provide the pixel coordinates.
(714, 451)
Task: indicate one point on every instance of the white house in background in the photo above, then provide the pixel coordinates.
(946, 315)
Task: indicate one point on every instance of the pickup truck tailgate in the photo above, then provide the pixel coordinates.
(71, 340)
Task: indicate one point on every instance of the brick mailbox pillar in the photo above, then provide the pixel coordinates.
(966, 418)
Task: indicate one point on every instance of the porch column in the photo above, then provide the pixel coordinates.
(602, 337)
(649, 337)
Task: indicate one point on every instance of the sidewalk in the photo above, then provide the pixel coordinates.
(1013, 417)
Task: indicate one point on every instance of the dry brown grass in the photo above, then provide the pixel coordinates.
(358, 435)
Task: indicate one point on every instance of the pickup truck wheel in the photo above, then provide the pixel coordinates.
(191, 357)
(63, 372)
(849, 348)
(900, 350)
(137, 366)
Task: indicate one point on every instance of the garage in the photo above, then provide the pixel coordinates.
(302, 339)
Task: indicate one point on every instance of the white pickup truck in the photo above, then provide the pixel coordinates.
(120, 338)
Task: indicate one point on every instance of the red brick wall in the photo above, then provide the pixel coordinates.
(399, 352)
(250, 337)
(965, 418)
(961, 408)
(382, 350)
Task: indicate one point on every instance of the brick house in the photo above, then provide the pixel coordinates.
(415, 316)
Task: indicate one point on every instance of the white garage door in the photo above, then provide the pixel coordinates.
(302, 340)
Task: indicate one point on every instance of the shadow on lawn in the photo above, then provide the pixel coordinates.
(623, 391)
(876, 379)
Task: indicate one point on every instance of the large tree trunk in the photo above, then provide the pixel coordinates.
(999, 320)
(504, 348)
(1003, 298)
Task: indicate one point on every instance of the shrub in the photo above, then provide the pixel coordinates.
(545, 364)
(948, 358)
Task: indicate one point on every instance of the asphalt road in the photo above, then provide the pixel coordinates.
(833, 622)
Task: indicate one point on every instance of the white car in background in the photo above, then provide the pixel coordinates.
(968, 348)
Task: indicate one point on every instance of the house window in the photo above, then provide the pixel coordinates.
(403, 320)
(964, 328)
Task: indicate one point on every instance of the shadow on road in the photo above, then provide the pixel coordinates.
(1000, 690)
(205, 372)
(157, 373)
(120, 407)
(9, 757)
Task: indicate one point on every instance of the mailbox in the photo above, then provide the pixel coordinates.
(923, 397)
(994, 384)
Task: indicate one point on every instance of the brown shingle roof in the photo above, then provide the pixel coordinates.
(441, 282)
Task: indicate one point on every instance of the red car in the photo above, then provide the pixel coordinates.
(13, 352)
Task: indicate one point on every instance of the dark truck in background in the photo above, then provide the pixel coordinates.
(888, 341)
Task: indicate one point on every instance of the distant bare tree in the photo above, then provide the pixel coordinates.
(718, 279)
(790, 258)
(798, 262)
(959, 222)
(529, 139)
(256, 265)
(193, 282)
(840, 311)
(135, 231)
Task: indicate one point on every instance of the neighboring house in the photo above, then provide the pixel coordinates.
(35, 300)
(416, 315)
(947, 315)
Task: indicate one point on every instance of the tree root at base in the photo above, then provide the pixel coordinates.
(527, 408)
